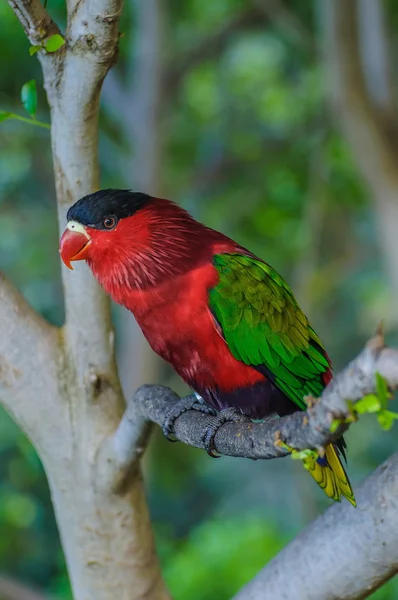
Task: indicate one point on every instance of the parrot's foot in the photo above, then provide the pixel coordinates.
(194, 402)
(224, 416)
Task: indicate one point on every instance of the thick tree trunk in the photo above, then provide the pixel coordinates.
(107, 539)
(106, 535)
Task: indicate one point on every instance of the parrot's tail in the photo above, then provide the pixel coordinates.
(330, 475)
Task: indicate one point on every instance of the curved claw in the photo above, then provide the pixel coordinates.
(208, 439)
(184, 405)
(168, 424)
(209, 433)
(167, 429)
(213, 453)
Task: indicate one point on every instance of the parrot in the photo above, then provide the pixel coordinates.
(224, 319)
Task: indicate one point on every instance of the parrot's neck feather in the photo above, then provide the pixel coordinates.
(165, 244)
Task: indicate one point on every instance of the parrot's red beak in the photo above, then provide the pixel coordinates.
(74, 244)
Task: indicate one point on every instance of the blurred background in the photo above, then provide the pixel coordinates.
(274, 121)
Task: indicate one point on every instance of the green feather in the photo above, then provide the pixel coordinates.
(263, 325)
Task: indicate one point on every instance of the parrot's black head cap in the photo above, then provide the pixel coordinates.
(93, 209)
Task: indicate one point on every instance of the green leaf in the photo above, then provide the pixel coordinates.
(34, 49)
(54, 43)
(4, 115)
(368, 404)
(335, 424)
(386, 418)
(303, 454)
(382, 390)
(29, 97)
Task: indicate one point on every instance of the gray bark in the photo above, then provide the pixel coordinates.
(62, 386)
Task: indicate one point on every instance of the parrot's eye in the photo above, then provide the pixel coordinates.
(109, 222)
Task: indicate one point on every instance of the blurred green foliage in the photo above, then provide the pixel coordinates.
(251, 151)
(209, 563)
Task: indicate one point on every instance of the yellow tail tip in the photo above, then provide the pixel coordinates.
(331, 477)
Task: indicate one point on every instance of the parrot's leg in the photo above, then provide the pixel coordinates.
(194, 402)
(227, 415)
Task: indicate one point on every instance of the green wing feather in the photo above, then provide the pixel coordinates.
(263, 325)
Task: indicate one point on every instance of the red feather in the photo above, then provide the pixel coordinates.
(157, 263)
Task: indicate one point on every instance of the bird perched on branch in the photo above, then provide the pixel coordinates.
(224, 319)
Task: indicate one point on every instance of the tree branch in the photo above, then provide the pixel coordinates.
(29, 352)
(95, 26)
(345, 553)
(118, 458)
(34, 18)
(301, 430)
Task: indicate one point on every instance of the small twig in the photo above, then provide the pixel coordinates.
(29, 121)
(35, 20)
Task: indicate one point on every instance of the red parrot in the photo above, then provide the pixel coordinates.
(224, 319)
